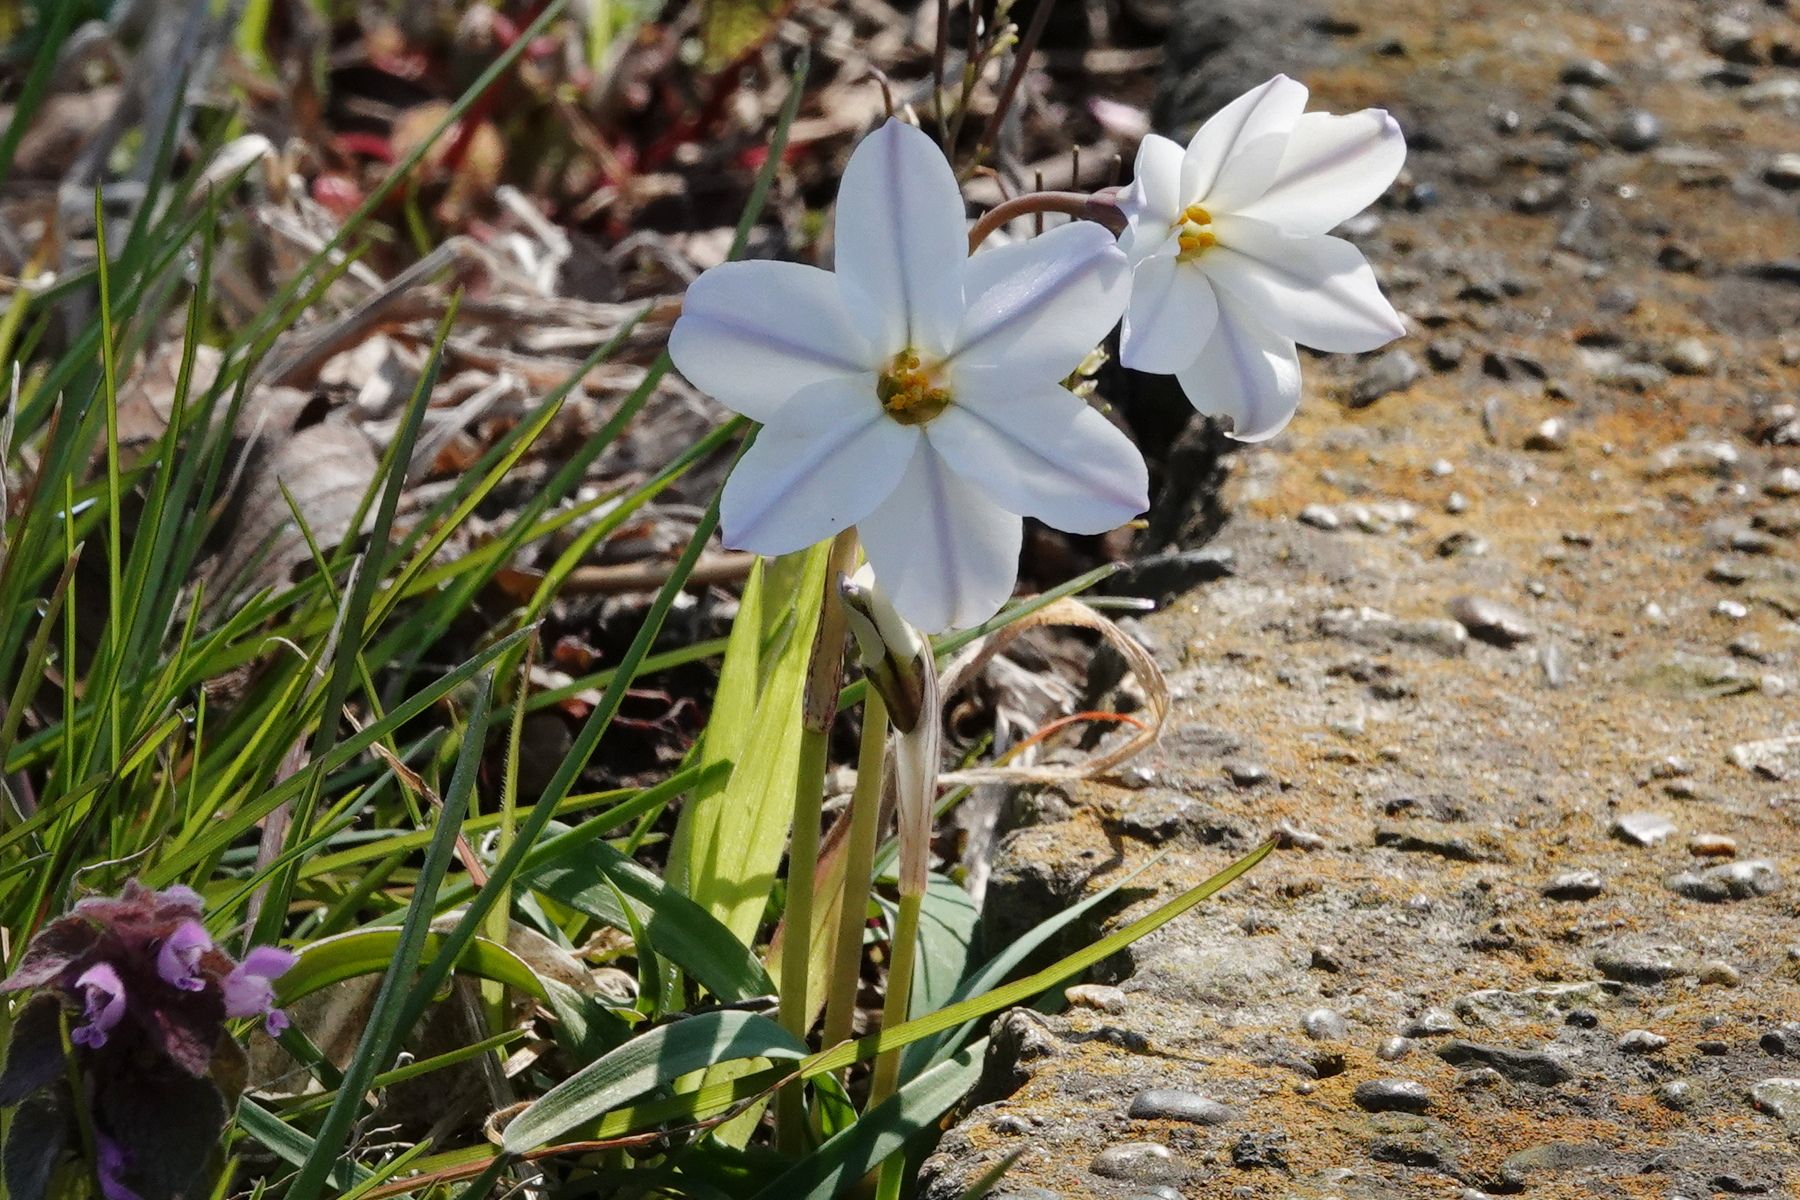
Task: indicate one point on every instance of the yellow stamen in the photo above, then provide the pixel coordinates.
(1195, 235)
(909, 392)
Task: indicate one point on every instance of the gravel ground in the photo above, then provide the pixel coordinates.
(1508, 652)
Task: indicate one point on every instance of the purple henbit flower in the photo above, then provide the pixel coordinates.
(111, 1168)
(250, 988)
(103, 995)
(178, 962)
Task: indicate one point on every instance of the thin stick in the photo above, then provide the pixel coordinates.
(859, 869)
(1021, 63)
(940, 52)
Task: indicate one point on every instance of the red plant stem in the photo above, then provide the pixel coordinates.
(1099, 208)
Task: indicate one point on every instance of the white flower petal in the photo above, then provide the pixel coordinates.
(1171, 315)
(1040, 306)
(1041, 451)
(1333, 168)
(1247, 372)
(1236, 153)
(829, 457)
(1314, 288)
(751, 334)
(1154, 200)
(901, 238)
(947, 555)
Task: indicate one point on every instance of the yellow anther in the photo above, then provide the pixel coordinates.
(1194, 232)
(908, 391)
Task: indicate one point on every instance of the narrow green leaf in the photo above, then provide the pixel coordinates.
(370, 951)
(648, 1061)
(585, 878)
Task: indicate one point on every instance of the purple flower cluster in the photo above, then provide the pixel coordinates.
(144, 995)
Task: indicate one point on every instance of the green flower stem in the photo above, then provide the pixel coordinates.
(859, 870)
(803, 854)
(894, 1011)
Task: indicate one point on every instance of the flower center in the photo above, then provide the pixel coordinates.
(1194, 233)
(909, 391)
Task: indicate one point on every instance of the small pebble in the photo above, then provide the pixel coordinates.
(1134, 1161)
(1641, 1041)
(1643, 828)
(1784, 172)
(1689, 356)
(1677, 1094)
(1321, 517)
(1098, 996)
(1433, 1022)
(1551, 434)
(1783, 483)
(1392, 1095)
(1575, 885)
(1712, 845)
(1778, 1097)
(1171, 1104)
(1325, 1025)
(1720, 974)
(1730, 881)
(1492, 621)
(1637, 131)
(1394, 1049)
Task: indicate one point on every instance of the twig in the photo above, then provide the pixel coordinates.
(648, 576)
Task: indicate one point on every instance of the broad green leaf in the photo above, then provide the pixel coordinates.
(592, 877)
(947, 920)
(648, 1061)
(739, 834)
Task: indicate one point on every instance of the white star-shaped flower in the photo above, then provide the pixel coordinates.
(1232, 262)
(916, 392)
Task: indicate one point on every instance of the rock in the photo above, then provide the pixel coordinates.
(1374, 628)
(1544, 1003)
(1325, 1025)
(1254, 1151)
(1097, 996)
(1641, 1041)
(1637, 131)
(1247, 774)
(1320, 516)
(1574, 885)
(1550, 435)
(1783, 1041)
(1445, 354)
(1731, 39)
(1541, 196)
(1393, 371)
(1642, 965)
(1442, 840)
(1394, 1049)
(1783, 483)
(1784, 172)
(1588, 72)
(1643, 828)
(1695, 458)
(1172, 1104)
(1720, 974)
(1712, 845)
(1520, 1066)
(1492, 621)
(1392, 1095)
(1779, 1097)
(1677, 1094)
(1689, 356)
(1732, 881)
(1136, 1161)
(1433, 1022)
(1772, 758)
(1161, 576)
